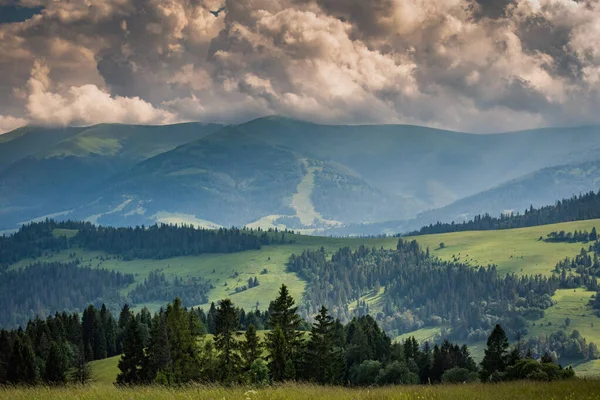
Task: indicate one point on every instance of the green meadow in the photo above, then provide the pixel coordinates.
(566, 390)
(516, 250)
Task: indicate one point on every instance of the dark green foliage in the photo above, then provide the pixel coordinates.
(82, 372)
(539, 371)
(227, 323)
(259, 373)
(397, 373)
(324, 361)
(39, 290)
(420, 290)
(366, 373)
(182, 345)
(284, 342)
(133, 359)
(56, 369)
(563, 346)
(156, 287)
(459, 375)
(251, 347)
(496, 355)
(572, 237)
(577, 208)
(22, 368)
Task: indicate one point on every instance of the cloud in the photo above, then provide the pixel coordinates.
(85, 105)
(8, 123)
(475, 65)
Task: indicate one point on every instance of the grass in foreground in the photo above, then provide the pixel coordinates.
(573, 389)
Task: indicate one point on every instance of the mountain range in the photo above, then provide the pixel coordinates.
(279, 172)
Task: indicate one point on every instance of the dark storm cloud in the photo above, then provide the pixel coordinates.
(476, 65)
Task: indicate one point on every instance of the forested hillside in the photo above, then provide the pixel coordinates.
(577, 208)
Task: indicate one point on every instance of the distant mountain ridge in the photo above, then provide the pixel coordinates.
(280, 172)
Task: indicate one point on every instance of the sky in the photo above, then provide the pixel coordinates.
(470, 65)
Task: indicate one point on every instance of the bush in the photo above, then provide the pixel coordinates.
(459, 375)
(259, 372)
(397, 373)
(366, 373)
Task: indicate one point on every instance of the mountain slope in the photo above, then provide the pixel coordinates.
(229, 178)
(432, 167)
(54, 177)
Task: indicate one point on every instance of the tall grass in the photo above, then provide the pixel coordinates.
(567, 390)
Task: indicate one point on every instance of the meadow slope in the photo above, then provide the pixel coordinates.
(566, 390)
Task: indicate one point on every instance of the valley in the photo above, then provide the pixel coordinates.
(516, 251)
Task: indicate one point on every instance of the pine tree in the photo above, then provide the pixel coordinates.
(496, 353)
(251, 347)
(132, 359)
(283, 314)
(210, 319)
(4, 356)
(184, 354)
(22, 361)
(227, 323)
(83, 371)
(324, 362)
(55, 372)
(280, 363)
(159, 349)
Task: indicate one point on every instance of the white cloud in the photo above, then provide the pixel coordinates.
(85, 105)
(8, 123)
(476, 65)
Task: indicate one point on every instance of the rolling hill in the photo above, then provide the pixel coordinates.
(60, 172)
(279, 172)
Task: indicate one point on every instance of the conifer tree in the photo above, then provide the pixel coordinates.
(4, 356)
(83, 371)
(496, 353)
(182, 343)
(251, 347)
(324, 361)
(132, 359)
(227, 323)
(22, 368)
(158, 352)
(56, 369)
(284, 314)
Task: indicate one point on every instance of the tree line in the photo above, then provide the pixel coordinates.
(171, 348)
(572, 237)
(158, 241)
(577, 208)
(43, 288)
(418, 290)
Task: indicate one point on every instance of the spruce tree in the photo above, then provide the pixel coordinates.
(184, 354)
(226, 325)
(494, 361)
(159, 349)
(83, 372)
(56, 369)
(323, 360)
(284, 314)
(251, 347)
(22, 367)
(132, 359)
(4, 356)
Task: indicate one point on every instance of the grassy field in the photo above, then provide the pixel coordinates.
(568, 390)
(516, 250)
(512, 250)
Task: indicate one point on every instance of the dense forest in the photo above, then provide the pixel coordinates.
(153, 242)
(420, 290)
(171, 348)
(42, 288)
(581, 207)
